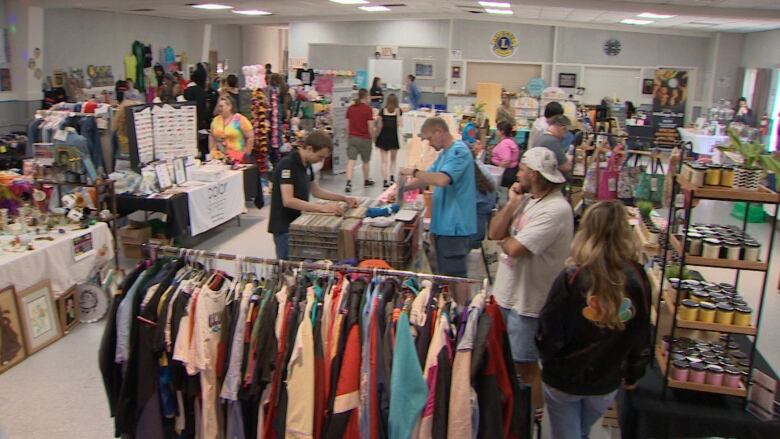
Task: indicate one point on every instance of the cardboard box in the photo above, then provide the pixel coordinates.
(132, 238)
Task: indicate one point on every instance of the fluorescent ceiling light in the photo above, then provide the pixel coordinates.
(350, 2)
(212, 6)
(499, 11)
(375, 8)
(635, 21)
(495, 5)
(655, 16)
(252, 12)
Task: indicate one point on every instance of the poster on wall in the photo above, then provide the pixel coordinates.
(361, 78)
(423, 68)
(670, 96)
(342, 98)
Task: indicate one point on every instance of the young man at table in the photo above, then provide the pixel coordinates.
(293, 181)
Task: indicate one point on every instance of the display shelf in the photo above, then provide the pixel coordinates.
(762, 195)
(692, 324)
(718, 263)
(671, 382)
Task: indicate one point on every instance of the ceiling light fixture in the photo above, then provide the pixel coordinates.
(495, 5)
(635, 21)
(350, 2)
(499, 11)
(374, 8)
(252, 12)
(655, 16)
(212, 6)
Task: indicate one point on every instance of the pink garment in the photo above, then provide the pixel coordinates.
(506, 150)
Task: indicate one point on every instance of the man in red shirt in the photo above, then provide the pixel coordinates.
(360, 131)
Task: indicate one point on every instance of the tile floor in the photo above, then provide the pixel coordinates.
(58, 392)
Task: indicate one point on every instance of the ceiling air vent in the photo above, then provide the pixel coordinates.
(394, 5)
(142, 10)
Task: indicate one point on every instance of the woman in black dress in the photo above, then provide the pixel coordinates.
(376, 93)
(387, 124)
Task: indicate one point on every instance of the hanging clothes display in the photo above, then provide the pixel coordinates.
(138, 51)
(44, 126)
(193, 352)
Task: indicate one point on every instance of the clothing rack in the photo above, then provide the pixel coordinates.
(307, 265)
(62, 112)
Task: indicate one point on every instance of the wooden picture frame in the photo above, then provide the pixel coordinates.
(12, 346)
(567, 80)
(69, 309)
(40, 322)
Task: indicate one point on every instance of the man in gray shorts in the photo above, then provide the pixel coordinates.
(360, 131)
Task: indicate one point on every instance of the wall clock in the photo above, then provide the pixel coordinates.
(612, 47)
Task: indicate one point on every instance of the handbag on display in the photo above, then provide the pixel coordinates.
(650, 186)
(608, 179)
(589, 185)
(627, 182)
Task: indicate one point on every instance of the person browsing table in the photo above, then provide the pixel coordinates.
(454, 215)
(232, 131)
(293, 181)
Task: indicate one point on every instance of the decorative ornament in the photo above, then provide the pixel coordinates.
(503, 43)
(612, 47)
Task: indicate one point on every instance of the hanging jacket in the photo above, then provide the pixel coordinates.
(408, 388)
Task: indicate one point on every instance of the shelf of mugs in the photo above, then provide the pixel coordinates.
(708, 316)
(713, 250)
(762, 194)
(703, 375)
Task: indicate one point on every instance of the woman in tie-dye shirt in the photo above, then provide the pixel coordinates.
(231, 133)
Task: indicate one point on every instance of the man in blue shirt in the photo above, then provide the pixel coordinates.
(413, 93)
(454, 216)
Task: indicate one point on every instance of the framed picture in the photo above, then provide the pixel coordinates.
(179, 170)
(83, 246)
(163, 177)
(423, 68)
(455, 72)
(40, 323)
(12, 350)
(69, 310)
(647, 86)
(567, 80)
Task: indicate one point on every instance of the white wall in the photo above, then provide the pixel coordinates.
(261, 45)
(227, 40)
(535, 43)
(410, 33)
(762, 50)
(726, 78)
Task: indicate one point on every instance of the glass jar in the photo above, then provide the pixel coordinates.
(724, 314)
(694, 243)
(697, 373)
(712, 176)
(727, 176)
(711, 248)
(700, 296)
(733, 377)
(714, 375)
(742, 315)
(706, 313)
(698, 173)
(688, 310)
(665, 342)
(731, 250)
(686, 170)
(752, 249)
(680, 370)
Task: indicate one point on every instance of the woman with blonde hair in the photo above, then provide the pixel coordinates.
(594, 330)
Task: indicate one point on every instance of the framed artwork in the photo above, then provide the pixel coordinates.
(647, 86)
(163, 177)
(567, 80)
(68, 309)
(12, 350)
(38, 312)
(83, 246)
(179, 171)
(423, 68)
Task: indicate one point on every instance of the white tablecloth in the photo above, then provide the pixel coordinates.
(702, 143)
(214, 203)
(54, 260)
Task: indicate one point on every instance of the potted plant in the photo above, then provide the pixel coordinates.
(756, 160)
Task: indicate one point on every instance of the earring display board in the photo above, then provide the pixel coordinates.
(162, 132)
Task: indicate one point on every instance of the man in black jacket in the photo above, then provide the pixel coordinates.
(196, 91)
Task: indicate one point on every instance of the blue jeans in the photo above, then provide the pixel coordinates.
(282, 242)
(572, 416)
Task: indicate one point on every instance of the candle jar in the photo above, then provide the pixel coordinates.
(711, 248)
(665, 343)
(732, 250)
(689, 310)
(727, 362)
(698, 173)
(717, 298)
(752, 249)
(680, 370)
(652, 234)
(706, 313)
(724, 314)
(700, 296)
(697, 373)
(742, 315)
(714, 375)
(713, 175)
(726, 286)
(727, 176)
(694, 243)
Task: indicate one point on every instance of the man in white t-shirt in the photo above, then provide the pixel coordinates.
(535, 228)
(541, 124)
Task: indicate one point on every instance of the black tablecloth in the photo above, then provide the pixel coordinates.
(687, 414)
(176, 208)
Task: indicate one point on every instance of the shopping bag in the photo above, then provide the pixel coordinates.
(650, 186)
(608, 179)
(627, 182)
(589, 185)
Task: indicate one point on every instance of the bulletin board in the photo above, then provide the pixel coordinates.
(162, 132)
(510, 75)
(600, 82)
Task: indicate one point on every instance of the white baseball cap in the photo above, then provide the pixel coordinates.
(543, 161)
